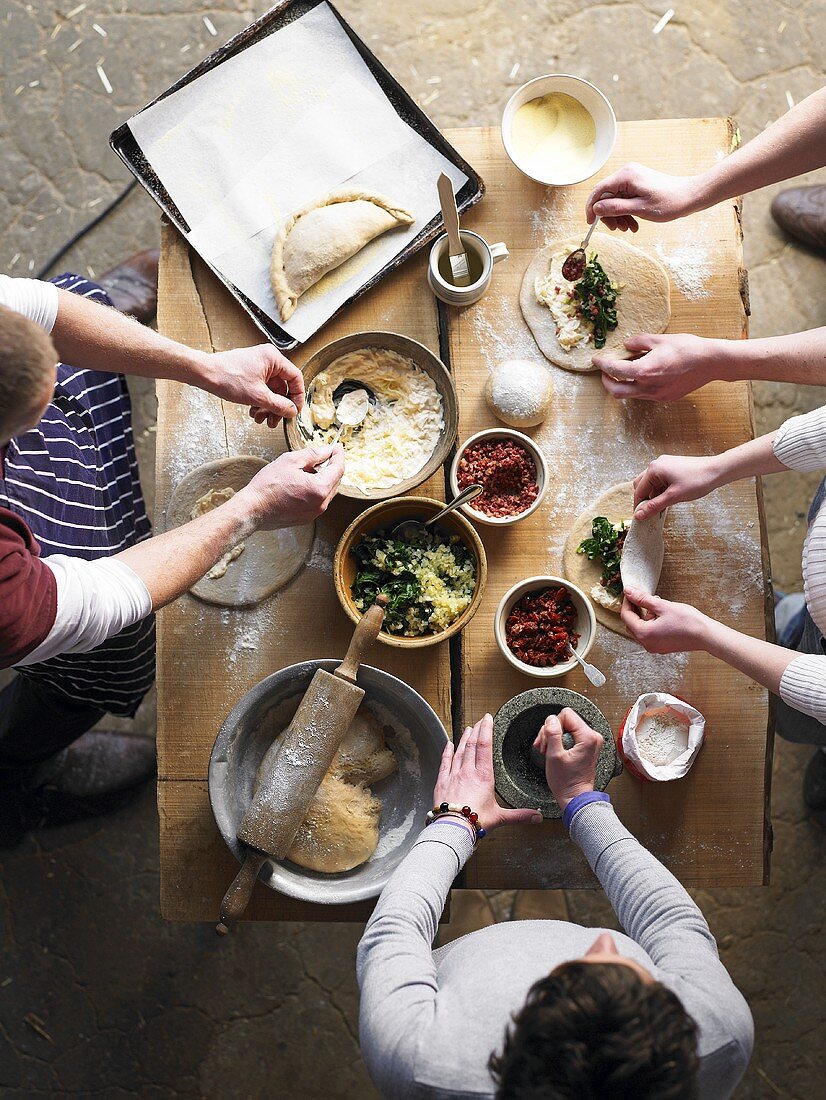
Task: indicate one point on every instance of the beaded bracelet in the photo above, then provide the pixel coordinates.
(464, 811)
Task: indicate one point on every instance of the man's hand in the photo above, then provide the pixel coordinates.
(665, 367)
(668, 628)
(290, 491)
(260, 377)
(671, 479)
(466, 779)
(639, 192)
(569, 772)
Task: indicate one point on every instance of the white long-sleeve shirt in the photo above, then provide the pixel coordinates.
(800, 444)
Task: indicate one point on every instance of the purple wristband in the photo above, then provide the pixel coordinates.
(577, 803)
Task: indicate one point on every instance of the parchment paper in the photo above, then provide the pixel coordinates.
(288, 120)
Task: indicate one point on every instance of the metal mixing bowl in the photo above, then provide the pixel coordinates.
(406, 796)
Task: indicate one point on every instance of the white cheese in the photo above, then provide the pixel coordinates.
(602, 596)
(400, 431)
(557, 293)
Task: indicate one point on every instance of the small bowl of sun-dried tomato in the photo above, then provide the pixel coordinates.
(538, 619)
(511, 469)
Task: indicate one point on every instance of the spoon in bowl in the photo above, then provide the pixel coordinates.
(591, 671)
(574, 266)
(350, 413)
(409, 529)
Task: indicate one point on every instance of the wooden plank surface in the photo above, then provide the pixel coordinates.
(208, 657)
(709, 828)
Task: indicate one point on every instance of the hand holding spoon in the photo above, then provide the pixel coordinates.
(591, 671)
(574, 266)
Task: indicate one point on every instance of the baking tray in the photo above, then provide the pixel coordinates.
(124, 144)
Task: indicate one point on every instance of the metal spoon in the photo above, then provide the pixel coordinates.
(350, 413)
(348, 386)
(591, 671)
(409, 529)
(574, 266)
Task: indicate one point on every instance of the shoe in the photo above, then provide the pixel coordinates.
(814, 787)
(97, 774)
(801, 212)
(133, 285)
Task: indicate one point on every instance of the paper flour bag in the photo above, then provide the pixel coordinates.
(660, 736)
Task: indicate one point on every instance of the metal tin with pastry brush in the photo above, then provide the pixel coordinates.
(519, 772)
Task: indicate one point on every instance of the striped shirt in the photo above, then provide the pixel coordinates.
(74, 480)
(800, 444)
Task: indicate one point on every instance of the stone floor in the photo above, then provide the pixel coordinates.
(98, 997)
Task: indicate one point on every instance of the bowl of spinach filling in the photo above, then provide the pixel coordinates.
(433, 582)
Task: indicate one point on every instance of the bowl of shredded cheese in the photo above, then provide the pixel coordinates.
(411, 419)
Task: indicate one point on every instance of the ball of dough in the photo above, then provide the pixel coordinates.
(519, 393)
(341, 829)
(363, 756)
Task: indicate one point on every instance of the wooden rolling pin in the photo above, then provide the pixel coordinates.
(295, 764)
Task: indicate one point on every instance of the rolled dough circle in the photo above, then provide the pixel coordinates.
(519, 393)
(270, 558)
(643, 304)
(615, 504)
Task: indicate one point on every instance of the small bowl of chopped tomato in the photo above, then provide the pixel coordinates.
(537, 619)
(509, 466)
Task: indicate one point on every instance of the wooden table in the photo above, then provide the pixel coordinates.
(712, 828)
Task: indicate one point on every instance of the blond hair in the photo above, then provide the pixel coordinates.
(27, 360)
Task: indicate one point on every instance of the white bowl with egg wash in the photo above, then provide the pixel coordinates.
(559, 129)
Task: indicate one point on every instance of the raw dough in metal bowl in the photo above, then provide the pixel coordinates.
(270, 558)
(643, 304)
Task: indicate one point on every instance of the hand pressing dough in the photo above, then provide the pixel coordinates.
(322, 235)
(270, 558)
(617, 505)
(341, 828)
(643, 303)
(519, 393)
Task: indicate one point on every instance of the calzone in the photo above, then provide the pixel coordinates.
(322, 235)
(642, 554)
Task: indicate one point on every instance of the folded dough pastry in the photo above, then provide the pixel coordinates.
(642, 554)
(322, 236)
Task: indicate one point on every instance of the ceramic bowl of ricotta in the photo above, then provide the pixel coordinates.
(559, 129)
(410, 425)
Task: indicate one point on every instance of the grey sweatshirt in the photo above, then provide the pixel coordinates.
(430, 1019)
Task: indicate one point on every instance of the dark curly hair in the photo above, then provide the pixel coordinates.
(596, 1031)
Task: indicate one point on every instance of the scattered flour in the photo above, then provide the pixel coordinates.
(690, 267)
(635, 672)
(322, 556)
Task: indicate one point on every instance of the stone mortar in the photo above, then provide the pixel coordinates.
(518, 770)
